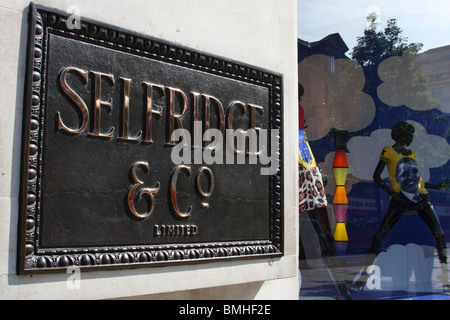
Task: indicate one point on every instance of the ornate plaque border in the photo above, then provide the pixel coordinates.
(32, 259)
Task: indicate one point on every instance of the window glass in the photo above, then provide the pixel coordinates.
(374, 107)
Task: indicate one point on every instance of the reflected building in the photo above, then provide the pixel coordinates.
(333, 89)
(435, 65)
(332, 45)
(320, 75)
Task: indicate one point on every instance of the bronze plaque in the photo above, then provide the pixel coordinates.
(141, 152)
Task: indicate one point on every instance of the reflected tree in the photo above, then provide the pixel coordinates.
(387, 59)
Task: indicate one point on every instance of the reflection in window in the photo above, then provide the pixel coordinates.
(382, 81)
(438, 93)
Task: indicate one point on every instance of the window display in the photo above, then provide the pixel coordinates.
(408, 193)
(377, 122)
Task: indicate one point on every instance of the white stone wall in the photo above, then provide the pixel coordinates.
(257, 32)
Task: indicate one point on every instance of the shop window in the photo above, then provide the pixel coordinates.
(375, 204)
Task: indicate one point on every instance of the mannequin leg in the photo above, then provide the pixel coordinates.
(393, 214)
(429, 216)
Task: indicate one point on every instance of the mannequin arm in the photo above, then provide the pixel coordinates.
(444, 185)
(377, 177)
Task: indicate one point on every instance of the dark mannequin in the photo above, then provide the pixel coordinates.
(408, 193)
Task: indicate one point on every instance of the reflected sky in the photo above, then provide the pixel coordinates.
(423, 21)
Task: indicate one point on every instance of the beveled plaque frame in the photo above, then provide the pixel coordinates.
(32, 258)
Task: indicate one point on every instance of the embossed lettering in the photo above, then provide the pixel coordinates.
(173, 191)
(150, 111)
(76, 99)
(230, 136)
(177, 230)
(177, 108)
(211, 182)
(126, 112)
(98, 103)
(221, 112)
(253, 145)
(144, 191)
(176, 117)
